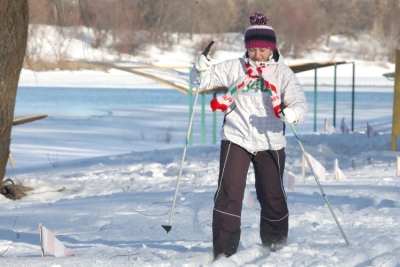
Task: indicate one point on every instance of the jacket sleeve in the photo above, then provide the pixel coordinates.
(222, 74)
(292, 92)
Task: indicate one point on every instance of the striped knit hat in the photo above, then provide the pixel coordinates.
(259, 34)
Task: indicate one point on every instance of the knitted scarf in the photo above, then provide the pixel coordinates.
(253, 72)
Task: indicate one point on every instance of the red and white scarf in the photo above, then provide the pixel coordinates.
(253, 72)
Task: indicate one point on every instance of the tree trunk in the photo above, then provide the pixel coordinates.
(14, 17)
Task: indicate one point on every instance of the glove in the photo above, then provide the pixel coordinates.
(202, 63)
(289, 115)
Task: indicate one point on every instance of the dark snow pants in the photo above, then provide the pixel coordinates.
(268, 169)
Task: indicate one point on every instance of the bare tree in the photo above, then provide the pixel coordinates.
(14, 17)
(380, 8)
(295, 23)
(390, 39)
(300, 24)
(345, 17)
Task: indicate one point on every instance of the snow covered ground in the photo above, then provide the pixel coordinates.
(108, 199)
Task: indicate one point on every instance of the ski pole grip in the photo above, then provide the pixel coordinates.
(205, 53)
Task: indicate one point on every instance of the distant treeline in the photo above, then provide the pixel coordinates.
(301, 25)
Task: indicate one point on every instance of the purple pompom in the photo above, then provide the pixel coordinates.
(258, 18)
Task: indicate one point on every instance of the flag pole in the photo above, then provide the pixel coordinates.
(41, 239)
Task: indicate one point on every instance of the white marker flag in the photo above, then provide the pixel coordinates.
(288, 180)
(51, 244)
(343, 127)
(339, 175)
(329, 128)
(248, 199)
(318, 168)
(371, 131)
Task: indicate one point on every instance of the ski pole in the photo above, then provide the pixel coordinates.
(168, 227)
(316, 178)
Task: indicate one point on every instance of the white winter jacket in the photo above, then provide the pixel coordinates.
(250, 121)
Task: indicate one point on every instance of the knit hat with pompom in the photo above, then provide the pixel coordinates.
(259, 34)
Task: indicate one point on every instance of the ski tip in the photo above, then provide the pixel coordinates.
(167, 228)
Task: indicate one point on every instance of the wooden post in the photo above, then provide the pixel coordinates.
(41, 239)
(11, 160)
(396, 103)
(336, 169)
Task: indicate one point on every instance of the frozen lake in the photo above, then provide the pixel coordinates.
(83, 102)
(125, 120)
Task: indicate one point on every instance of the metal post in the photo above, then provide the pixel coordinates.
(352, 98)
(334, 97)
(190, 94)
(215, 124)
(203, 119)
(315, 98)
(396, 102)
